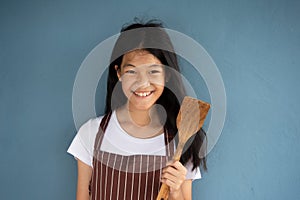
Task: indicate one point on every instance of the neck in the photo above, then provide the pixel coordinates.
(139, 117)
(140, 123)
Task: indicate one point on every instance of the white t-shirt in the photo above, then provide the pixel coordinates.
(117, 140)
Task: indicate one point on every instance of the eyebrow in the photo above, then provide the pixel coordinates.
(128, 65)
(151, 65)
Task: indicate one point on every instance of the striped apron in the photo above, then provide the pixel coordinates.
(118, 177)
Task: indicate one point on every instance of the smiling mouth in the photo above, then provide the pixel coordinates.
(143, 94)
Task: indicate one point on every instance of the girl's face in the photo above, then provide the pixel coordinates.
(143, 78)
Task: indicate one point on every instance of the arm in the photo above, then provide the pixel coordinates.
(83, 181)
(174, 176)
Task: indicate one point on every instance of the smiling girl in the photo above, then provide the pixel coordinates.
(126, 154)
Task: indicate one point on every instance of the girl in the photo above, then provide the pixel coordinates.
(126, 154)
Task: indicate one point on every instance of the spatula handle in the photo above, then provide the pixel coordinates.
(164, 189)
(163, 192)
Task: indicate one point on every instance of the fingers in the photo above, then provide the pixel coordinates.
(174, 175)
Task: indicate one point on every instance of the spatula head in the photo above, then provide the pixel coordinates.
(191, 117)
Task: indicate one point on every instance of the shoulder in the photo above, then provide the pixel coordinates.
(90, 125)
(88, 131)
(83, 143)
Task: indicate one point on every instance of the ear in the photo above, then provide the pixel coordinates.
(167, 77)
(118, 70)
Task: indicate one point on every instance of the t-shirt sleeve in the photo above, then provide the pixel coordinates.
(83, 144)
(195, 174)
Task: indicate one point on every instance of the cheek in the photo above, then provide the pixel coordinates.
(159, 84)
(160, 89)
(126, 86)
(157, 80)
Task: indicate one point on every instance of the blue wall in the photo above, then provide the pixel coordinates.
(255, 44)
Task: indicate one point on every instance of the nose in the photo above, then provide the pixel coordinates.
(142, 80)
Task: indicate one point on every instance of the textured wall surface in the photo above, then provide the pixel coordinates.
(255, 44)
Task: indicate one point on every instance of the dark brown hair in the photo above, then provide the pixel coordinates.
(147, 36)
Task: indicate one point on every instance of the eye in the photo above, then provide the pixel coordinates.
(130, 71)
(154, 71)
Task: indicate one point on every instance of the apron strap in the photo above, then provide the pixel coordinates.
(169, 143)
(101, 130)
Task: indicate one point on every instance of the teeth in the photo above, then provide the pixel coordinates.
(142, 94)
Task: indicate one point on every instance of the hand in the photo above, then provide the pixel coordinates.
(174, 175)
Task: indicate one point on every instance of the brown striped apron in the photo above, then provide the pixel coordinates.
(119, 177)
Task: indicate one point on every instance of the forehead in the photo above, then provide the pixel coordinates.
(139, 57)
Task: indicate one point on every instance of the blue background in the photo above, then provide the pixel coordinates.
(255, 44)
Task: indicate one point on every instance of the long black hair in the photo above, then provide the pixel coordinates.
(150, 36)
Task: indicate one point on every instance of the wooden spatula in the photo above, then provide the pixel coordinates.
(189, 120)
